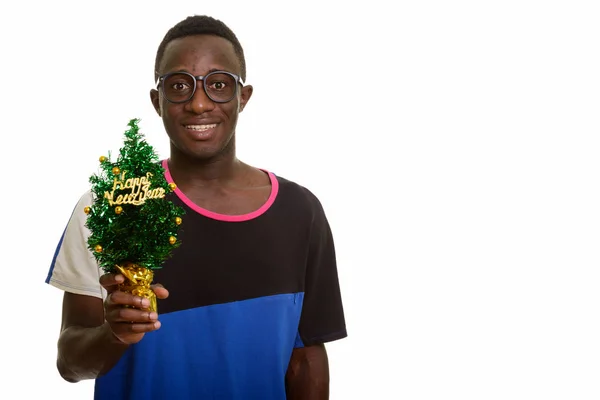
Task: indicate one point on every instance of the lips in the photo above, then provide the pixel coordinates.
(201, 131)
(200, 128)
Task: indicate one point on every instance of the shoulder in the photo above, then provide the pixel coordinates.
(298, 195)
(78, 214)
(86, 199)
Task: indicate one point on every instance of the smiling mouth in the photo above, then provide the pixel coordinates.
(200, 128)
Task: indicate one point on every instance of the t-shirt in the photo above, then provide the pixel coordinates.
(244, 291)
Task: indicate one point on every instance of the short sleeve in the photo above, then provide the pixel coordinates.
(322, 317)
(74, 268)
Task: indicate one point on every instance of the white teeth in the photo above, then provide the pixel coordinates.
(200, 127)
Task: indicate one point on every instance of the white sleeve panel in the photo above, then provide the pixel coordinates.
(74, 268)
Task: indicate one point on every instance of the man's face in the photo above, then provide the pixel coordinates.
(200, 128)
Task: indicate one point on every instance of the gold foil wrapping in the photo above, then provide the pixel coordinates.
(137, 282)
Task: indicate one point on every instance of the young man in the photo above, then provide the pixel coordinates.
(251, 295)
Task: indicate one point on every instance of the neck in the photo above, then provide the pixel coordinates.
(186, 169)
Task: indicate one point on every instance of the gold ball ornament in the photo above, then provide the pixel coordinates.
(87, 210)
(172, 186)
(98, 249)
(102, 159)
(178, 220)
(172, 239)
(116, 170)
(118, 210)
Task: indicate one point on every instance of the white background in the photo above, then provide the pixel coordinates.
(454, 146)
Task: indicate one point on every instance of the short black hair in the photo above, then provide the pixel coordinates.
(200, 25)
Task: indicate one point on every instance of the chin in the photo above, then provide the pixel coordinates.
(203, 149)
(204, 152)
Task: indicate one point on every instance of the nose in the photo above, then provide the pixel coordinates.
(200, 102)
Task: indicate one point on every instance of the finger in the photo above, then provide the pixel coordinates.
(132, 315)
(110, 281)
(127, 327)
(119, 298)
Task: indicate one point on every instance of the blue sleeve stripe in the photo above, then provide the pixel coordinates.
(58, 248)
(55, 256)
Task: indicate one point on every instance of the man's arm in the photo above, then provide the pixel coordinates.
(307, 376)
(86, 347)
(95, 334)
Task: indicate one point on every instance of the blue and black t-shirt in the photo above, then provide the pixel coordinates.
(244, 291)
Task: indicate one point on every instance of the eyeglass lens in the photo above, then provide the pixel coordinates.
(219, 87)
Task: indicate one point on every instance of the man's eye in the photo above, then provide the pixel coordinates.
(218, 85)
(180, 86)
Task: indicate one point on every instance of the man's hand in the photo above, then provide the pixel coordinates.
(307, 377)
(128, 315)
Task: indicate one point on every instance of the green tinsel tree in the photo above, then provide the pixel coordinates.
(130, 219)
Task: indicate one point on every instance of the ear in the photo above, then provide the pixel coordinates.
(245, 95)
(154, 98)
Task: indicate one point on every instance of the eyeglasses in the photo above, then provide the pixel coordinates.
(179, 87)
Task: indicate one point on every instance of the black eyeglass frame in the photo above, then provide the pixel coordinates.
(195, 79)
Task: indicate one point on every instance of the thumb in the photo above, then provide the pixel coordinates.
(160, 291)
(111, 281)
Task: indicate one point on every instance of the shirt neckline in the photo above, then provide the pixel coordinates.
(225, 217)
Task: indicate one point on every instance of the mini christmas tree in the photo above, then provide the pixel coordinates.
(133, 225)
